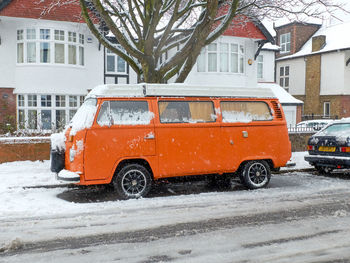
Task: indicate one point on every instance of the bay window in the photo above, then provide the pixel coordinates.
(50, 46)
(46, 112)
(222, 57)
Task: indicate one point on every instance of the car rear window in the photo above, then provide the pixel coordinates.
(124, 113)
(339, 129)
(245, 111)
(186, 111)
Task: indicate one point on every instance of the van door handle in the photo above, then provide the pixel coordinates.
(149, 136)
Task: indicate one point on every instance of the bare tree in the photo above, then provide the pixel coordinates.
(148, 29)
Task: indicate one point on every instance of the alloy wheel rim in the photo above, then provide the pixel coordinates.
(133, 183)
(257, 174)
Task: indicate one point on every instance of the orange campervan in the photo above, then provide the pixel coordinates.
(132, 135)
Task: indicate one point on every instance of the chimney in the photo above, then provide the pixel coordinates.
(318, 43)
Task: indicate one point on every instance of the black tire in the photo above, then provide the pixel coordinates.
(256, 174)
(132, 181)
(323, 169)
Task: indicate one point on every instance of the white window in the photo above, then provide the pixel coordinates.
(285, 43)
(73, 101)
(284, 77)
(60, 101)
(50, 46)
(212, 58)
(327, 108)
(32, 101)
(201, 61)
(114, 63)
(46, 112)
(260, 66)
(222, 57)
(20, 100)
(20, 46)
(45, 100)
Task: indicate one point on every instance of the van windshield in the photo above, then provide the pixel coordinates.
(84, 117)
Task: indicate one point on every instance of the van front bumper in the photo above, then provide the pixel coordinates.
(68, 176)
(329, 161)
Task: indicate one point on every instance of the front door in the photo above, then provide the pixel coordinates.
(124, 130)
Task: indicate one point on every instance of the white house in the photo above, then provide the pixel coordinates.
(50, 60)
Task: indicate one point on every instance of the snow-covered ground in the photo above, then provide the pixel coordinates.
(300, 217)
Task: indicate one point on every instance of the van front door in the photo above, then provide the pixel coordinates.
(124, 130)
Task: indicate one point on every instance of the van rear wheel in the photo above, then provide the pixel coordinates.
(132, 181)
(256, 174)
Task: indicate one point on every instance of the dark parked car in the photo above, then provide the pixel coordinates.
(330, 148)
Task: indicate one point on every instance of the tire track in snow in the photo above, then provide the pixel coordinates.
(184, 229)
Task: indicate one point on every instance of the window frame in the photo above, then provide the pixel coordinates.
(189, 123)
(327, 104)
(110, 117)
(247, 101)
(28, 107)
(115, 58)
(202, 63)
(284, 77)
(260, 64)
(49, 40)
(286, 44)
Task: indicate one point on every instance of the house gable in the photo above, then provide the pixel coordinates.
(40, 10)
(242, 26)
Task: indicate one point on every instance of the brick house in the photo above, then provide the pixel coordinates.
(313, 65)
(50, 60)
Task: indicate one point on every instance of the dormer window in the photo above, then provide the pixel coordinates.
(285, 43)
(50, 46)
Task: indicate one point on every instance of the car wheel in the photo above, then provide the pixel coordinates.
(132, 181)
(256, 174)
(324, 169)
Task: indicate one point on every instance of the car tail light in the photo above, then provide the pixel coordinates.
(345, 149)
(310, 147)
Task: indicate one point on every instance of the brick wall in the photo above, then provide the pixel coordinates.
(7, 110)
(299, 141)
(300, 33)
(312, 85)
(21, 149)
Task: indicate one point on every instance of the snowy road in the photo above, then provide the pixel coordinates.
(301, 217)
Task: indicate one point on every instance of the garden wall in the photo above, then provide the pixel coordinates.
(24, 148)
(38, 148)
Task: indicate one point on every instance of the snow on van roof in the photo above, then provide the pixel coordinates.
(170, 90)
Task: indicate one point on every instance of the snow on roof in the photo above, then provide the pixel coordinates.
(269, 46)
(283, 96)
(337, 38)
(146, 89)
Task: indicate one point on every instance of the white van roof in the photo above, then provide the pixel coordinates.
(177, 90)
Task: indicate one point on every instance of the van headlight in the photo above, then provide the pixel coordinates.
(71, 155)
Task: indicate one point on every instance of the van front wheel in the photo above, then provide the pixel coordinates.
(256, 174)
(132, 181)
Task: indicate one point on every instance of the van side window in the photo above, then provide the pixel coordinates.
(245, 111)
(186, 111)
(124, 113)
